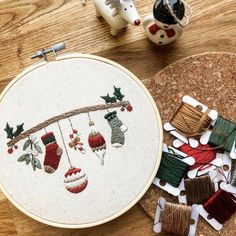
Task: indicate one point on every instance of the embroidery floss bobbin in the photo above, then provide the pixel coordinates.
(176, 158)
(203, 154)
(176, 219)
(191, 120)
(221, 206)
(202, 165)
(223, 134)
(171, 169)
(198, 190)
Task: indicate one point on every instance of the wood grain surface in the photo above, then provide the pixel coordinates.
(28, 25)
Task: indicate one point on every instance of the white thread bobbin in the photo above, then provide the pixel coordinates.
(187, 17)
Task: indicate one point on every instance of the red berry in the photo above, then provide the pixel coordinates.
(129, 108)
(71, 136)
(16, 147)
(10, 150)
(122, 109)
(75, 131)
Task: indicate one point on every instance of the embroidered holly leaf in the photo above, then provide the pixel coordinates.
(113, 100)
(117, 93)
(26, 144)
(9, 131)
(22, 158)
(109, 99)
(19, 130)
(38, 148)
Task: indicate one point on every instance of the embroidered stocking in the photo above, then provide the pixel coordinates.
(117, 129)
(53, 152)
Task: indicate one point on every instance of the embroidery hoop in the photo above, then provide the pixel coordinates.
(152, 171)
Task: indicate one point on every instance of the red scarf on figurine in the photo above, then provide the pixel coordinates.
(155, 28)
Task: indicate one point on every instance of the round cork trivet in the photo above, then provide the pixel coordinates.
(209, 78)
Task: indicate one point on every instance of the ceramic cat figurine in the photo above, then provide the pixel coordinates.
(165, 24)
(117, 13)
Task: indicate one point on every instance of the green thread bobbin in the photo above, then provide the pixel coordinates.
(171, 169)
(223, 134)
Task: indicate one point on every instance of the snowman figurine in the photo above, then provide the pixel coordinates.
(167, 21)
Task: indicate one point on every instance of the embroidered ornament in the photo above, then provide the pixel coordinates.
(75, 142)
(117, 129)
(75, 180)
(53, 153)
(97, 142)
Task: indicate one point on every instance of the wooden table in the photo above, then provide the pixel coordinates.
(28, 25)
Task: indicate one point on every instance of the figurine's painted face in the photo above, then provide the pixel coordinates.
(128, 11)
(163, 25)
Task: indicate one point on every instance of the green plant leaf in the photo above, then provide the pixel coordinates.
(109, 99)
(22, 158)
(19, 130)
(27, 159)
(38, 148)
(119, 96)
(9, 131)
(37, 163)
(26, 144)
(33, 163)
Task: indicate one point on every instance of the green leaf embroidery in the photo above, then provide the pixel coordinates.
(9, 131)
(22, 158)
(19, 130)
(38, 148)
(33, 163)
(109, 99)
(118, 93)
(26, 144)
(37, 163)
(27, 159)
(30, 157)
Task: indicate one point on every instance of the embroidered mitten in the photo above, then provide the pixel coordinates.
(117, 129)
(53, 152)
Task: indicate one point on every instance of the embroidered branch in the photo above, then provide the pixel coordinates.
(66, 115)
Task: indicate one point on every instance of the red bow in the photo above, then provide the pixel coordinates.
(154, 28)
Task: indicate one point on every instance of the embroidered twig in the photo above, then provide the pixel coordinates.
(66, 115)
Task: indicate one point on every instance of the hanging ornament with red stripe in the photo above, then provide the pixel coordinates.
(96, 142)
(76, 179)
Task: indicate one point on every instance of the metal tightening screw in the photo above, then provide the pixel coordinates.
(54, 48)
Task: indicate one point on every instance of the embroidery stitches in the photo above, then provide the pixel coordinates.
(32, 150)
(117, 129)
(11, 134)
(75, 180)
(53, 153)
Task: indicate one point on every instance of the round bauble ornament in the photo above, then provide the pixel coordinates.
(75, 180)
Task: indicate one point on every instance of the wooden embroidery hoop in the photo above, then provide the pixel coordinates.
(152, 174)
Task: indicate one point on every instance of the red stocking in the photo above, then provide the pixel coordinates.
(53, 153)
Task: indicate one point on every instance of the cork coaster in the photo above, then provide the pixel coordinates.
(211, 79)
